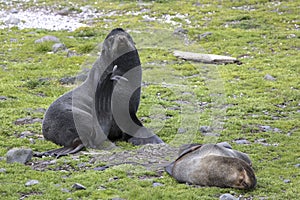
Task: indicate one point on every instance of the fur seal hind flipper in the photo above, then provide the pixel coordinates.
(76, 147)
(185, 149)
(169, 168)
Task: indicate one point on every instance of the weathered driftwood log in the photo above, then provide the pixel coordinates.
(206, 58)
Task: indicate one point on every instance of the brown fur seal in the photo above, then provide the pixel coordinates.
(86, 116)
(213, 165)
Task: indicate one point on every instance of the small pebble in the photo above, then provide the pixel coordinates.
(181, 130)
(32, 182)
(101, 188)
(205, 129)
(14, 11)
(286, 180)
(25, 134)
(78, 186)
(266, 128)
(268, 77)
(102, 168)
(65, 190)
(180, 31)
(2, 170)
(57, 47)
(64, 11)
(297, 165)
(204, 35)
(113, 179)
(3, 98)
(157, 184)
(227, 197)
(13, 20)
(242, 141)
(47, 38)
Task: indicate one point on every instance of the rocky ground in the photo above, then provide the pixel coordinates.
(253, 106)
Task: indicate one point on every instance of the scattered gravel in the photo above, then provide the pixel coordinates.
(27, 120)
(157, 184)
(70, 19)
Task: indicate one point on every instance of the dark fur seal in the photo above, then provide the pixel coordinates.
(87, 115)
(213, 165)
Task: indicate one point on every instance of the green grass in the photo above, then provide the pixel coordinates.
(263, 34)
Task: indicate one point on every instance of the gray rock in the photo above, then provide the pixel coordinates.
(13, 40)
(180, 31)
(227, 197)
(58, 46)
(65, 11)
(78, 186)
(286, 180)
(71, 53)
(31, 182)
(25, 134)
(47, 38)
(19, 155)
(181, 130)
(291, 36)
(2, 170)
(204, 35)
(3, 98)
(297, 165)
(157, 184)
(13, 20)
(31, 140)
(86, 8)
(102, 168)
(101, 187)
(265, 128)
(276, 130)
(205, 129)
(269, 77)
(113, 179)
(67, 80)
(36, 110)
(14, 11)
(65, 190)
(242, 141)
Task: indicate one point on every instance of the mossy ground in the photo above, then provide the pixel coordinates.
(234, 99)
